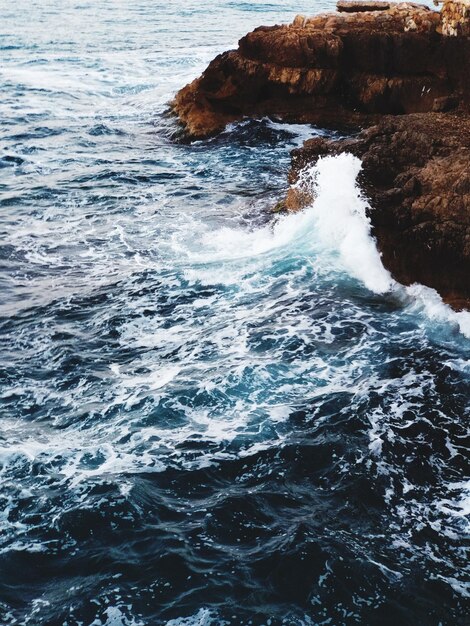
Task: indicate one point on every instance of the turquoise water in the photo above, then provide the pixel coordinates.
(208, 415)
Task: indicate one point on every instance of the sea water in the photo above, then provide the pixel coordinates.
(209, 415)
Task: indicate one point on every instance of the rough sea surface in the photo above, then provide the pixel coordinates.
(209, 416)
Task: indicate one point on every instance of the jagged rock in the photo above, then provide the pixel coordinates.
(335, 69)
(416, 174)
(392, 72)
(455, 18)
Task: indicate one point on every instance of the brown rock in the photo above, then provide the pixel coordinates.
(336, 69)
(416, 174)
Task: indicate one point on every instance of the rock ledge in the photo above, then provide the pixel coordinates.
(400, 73)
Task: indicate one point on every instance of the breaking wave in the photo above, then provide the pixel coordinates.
(208, 415)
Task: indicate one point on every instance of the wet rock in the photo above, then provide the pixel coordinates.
(416, 174)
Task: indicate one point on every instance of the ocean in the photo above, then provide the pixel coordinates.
(210, 414)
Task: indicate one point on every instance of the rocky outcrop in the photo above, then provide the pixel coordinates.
(416, 174)
(398, 70)
(455, 18)
(337, 69)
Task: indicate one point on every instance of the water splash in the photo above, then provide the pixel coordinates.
(207, 415)
(342, 224)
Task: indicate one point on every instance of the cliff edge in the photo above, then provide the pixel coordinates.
(397, 72)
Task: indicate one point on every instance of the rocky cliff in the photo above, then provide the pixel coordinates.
(416, 174)
(391, 70)
(334, 69)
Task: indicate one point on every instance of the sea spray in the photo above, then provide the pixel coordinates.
(204, 421)
(342, 223)
(428, 301)
(335, 222)
(334, 232)
(335, 226)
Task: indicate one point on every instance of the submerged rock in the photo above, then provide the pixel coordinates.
(388, 68)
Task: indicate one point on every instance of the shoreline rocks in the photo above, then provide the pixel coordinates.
(455, 18)
(417, 180)
(336, 70)
(390, 71)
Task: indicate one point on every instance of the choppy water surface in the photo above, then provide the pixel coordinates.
(208, 417)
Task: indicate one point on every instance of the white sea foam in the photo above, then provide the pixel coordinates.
(335, 228)
(336, 222)
(203, 617)
(115, 616)
(431, 304)
(341, 222)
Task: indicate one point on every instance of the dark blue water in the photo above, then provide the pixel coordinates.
(208, 416)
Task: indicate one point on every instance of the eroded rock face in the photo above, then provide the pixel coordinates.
(337, 69)
(455, 18)
(396, 73)
(416, 174)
